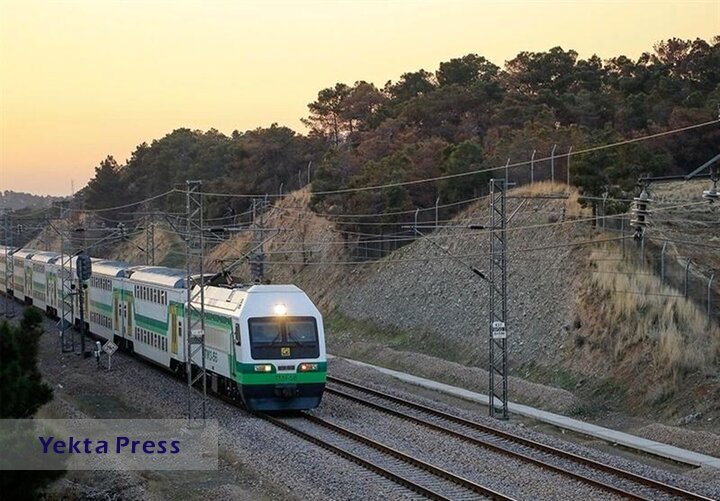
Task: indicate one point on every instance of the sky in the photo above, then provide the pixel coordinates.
(80, 80)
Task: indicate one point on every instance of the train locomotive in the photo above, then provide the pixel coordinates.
(265, 344)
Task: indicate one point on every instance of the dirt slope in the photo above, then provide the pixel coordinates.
(443, 304)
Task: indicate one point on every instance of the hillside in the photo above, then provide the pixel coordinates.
(301, 248)
(422, 289)
(19, 200)
(582, 317)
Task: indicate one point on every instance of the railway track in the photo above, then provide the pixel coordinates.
(609, 478)
(411, 473)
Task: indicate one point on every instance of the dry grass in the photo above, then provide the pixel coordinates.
(681, 191)
(573, 209)
(541, 188)
(651, 317)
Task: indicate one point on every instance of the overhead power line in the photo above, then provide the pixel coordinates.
(132, 204)
(480, 171)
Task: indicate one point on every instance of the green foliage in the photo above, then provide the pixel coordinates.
(464, 157)
(466, 71)
(257, 161)
(22, 391)
(410, 85)
(468, 112)
(616, 170)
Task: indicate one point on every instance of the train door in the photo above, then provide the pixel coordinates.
(117, 327)
(29, 284)
(121, 317)
(50, 291)
(129, 316)
(174, 328)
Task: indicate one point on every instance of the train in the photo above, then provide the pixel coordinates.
(264, 344)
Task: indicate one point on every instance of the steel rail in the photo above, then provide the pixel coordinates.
(394, 477)
(491, 446)
(639, 479)
(389, 451)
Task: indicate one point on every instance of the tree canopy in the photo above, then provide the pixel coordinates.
(469, 114)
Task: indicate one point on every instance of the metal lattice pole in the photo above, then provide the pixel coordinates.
(67, 336)
(149, 240)
(257, 258)
(497, 361)
(195, 310)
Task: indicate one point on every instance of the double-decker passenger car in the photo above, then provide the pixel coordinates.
(265, 344)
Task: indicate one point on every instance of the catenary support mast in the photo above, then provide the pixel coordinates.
(195, 308)
(498, 359)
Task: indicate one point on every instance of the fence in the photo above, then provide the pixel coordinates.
(691, 279)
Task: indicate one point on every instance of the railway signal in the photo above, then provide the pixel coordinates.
(83, 266)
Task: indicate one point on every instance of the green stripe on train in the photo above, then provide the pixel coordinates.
(245, 374)
(151, 324)
(101, 307)
(160, 326)
(290, 378)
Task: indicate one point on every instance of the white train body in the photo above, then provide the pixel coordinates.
(265, 344)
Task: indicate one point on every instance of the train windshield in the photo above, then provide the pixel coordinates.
(283, 338)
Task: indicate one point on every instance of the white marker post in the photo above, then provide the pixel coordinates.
(109, 348)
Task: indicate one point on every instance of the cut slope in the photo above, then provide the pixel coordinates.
(422, 289)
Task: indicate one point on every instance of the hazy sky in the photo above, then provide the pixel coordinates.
(83, 79)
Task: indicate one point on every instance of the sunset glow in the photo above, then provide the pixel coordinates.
(83, 79)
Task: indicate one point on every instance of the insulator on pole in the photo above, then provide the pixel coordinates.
(641, 213)
(641, 210)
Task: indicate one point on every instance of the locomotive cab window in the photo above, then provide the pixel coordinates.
(283, 338)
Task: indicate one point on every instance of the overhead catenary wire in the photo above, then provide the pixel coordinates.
(417, 181)
(430, 259)
(462, 235)
(131, 204)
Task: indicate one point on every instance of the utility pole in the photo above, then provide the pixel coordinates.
(195, 314)
(84, 271)
(9, 265)
(257, 257)
(642, 213)
(149, 240)
(498, 359)
(67, 342)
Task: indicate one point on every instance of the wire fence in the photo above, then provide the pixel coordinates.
(694, 280)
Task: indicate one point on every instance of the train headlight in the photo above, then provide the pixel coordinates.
(280, 310)
(307, 367)
(263, 368)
